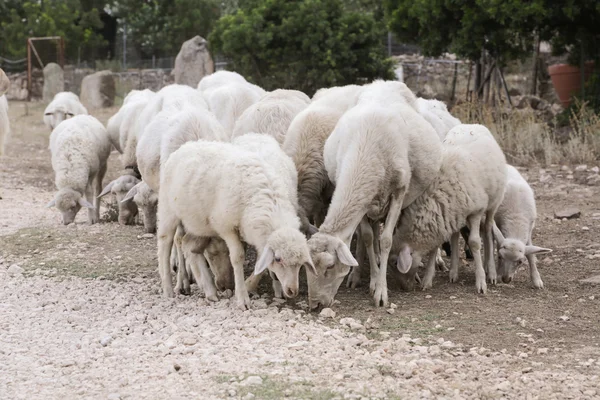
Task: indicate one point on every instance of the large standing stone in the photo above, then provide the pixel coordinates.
(98, 90)
(4, 82)
(193, 62)
(54, 81)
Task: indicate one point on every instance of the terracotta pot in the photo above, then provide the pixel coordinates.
(566, 80)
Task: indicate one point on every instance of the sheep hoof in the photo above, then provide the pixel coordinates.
(212, 298)
(427, 285)
(538, 284)
(493, 281)
(353, 280)
(381, 297)
(453, 277)
(481, 287)
(244, 303)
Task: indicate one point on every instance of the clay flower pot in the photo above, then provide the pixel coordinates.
(566, 80)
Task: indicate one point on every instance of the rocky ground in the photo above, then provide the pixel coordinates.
(81, 315)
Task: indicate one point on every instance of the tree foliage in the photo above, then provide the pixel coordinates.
(301, 44)
(22, 19)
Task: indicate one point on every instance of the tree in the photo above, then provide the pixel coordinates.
(22, 19)
(301, 44)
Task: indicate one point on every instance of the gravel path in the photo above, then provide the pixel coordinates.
(77, 338)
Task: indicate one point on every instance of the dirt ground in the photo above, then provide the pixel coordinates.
(85, 318)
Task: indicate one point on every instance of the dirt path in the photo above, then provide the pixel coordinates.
(81, 314)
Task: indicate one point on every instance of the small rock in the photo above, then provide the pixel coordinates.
(564, 318)
(585, 228)
(542, 350)
(527, 370)
(523, 355)
(568, 213)
(176, 367)
(390, 310)
(190, 340)
(137, 279)
(593, 280)
(14, 270)
(428, 296)
(105, 341)
(392, 305)
(147, 236)
(581, 168)
(231, 392)
(592, 297)
(595, 170)
(249, 396)
(327, 313)
(452, 297)
(251, 381)
(114, 396)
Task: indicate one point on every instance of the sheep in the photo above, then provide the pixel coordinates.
(468, 190)
(63, 106)
(4, 123)
(269, 150)
(304, 143)
(229, 101)
(221, 78)
(513, 229)
(120, 124)
(128, 211)
(217, 189)
(4, 83)
(172, 97)
(381, 156)
(436, 113)
(272, 114)
(80, 149)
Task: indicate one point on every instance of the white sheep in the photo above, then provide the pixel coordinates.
(269, 150)
(468, 190)
(515, 220)
(381, 156)
(436, 113)
(272, 114)
(220, 190)
(63, 106)
(4, 83)
(128, 211)
(80, 149)
(120, 124)
(221, 78)
(229, 101)
(4, 124)
(304, 143)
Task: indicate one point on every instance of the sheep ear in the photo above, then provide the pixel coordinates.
(107, 189)
(51, 204)
(264, 261)
(311, 267)
(84, 203)
(498, 234)
(529, 249)
(345, 256)
(312, 229)
(404, 261)
(131, 194)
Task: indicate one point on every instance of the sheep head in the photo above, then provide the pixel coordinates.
(119, 188)
(69, 202)
(333, 260)
(146, 200)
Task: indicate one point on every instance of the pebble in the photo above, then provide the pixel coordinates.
(14, 270)
(137, 279)
(428, 296)
(581, 168)
(252, 381)
(105, 341)
(327, 313)
(542, 350)
(391, 311)
(568, 213)
(249, 396)
(392, 305)
(564, 317)
(146, 236)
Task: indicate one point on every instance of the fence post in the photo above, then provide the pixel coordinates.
(29, 85)
(153, 61)
(124, 46)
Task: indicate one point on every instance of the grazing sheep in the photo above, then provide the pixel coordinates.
(128, 211)
(63, 106)
(229, 101)
(80, 148)
(220, 190)
(120, 124)
(436, 113)
(304, 143)
(272, 114)
(468, 190)
(219, 78)
(172, 97)
(4, 123)
(381, 156)
(515, 220)
(268, 149)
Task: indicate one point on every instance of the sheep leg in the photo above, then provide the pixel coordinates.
(98, 190)
(533, 271)
(356, 274)
(277, 289)
(439, 261)
(89, 193)
(183, 281)
(237, 256)
(166, 233)
(430, 271)
(488, 248)
(381, 296)
(454, 257)
(464, 232)
(193, 248)
(253, 281)
(474, 222)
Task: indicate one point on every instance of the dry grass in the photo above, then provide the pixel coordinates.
(527, 140)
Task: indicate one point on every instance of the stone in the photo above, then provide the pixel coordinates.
(252, 381)
(15, 270)
(594, 280)
(98, 90)
(4, 83)
(564, 318)
(193, 62)
(327, 313)
(105, 341)
(568, 213)
(54, 81)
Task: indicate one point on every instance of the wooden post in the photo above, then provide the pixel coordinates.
(535, 68)
(29, 86)
(469, 81)
(505, 87)
(454, 82)
(582, 71)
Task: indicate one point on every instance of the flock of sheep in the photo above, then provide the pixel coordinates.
(227, 165)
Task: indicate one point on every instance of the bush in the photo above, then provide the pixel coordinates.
(302, 44)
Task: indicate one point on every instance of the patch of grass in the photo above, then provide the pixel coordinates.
(272, 389)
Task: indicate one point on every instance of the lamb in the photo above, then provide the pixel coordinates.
(128, 211)
(272, 114)
(269, 150)
(63, 106)
(381, 156)
(229, 101)
(468, 190)
(221, 78)
(120, 124)
(216, 189)
(304, 143)
(80, 149)
(515, 220)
